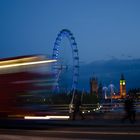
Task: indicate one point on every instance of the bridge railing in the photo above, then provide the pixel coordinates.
(88, 108)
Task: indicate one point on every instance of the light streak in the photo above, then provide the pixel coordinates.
(45, 117)
(27, 63)
(33, 58)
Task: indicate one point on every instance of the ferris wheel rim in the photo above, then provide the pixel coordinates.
(75, 57)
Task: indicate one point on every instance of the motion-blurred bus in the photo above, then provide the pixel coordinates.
(25, 82)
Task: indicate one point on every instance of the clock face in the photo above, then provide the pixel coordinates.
(122, 82)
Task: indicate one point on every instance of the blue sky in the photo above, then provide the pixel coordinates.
(103, 29)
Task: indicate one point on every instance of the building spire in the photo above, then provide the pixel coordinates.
(122, 77)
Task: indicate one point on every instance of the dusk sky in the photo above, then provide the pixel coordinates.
(103, 29)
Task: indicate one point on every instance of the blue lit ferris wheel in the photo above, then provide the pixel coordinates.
(57, 67)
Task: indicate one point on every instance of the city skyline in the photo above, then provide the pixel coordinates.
(103, 29)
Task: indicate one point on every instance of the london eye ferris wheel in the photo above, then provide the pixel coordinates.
(61, 68)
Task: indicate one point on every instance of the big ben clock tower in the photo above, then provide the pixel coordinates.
(122, 87)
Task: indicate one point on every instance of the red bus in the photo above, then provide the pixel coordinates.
(23, 81)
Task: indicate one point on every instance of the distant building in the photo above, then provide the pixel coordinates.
(109, 92)
(94, 86)
(122, 87)
(100, 92)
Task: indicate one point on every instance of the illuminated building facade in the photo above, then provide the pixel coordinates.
(94, 86)
(122, 87)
